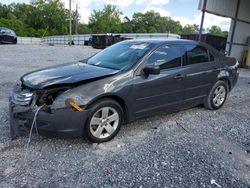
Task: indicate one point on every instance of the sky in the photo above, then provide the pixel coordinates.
(184, 11)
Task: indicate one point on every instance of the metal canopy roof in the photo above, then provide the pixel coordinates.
(228, 8)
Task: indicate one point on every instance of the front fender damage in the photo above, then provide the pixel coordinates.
(58, 117)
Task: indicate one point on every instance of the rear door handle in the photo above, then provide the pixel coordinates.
(179, 76)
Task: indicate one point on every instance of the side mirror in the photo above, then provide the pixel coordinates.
(152, 69)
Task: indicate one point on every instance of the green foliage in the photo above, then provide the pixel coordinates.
(190, 29)
(20, 28)
(50, 17)
(35, 18)
(84, 29)
(127, 25)
(49, 14)
(216, 30)
(106, 21)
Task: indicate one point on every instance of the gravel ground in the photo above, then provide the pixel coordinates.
(152, 152)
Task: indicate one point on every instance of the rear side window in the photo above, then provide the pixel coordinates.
(166, 57)
(196, 54)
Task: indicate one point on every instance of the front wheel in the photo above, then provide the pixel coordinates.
(217, 96)
(104, 121)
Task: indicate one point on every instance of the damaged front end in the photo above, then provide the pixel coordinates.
(52, 118)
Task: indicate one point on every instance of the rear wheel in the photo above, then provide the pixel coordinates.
(104, 121)
(217, 96)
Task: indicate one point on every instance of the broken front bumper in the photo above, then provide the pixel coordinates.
(61, 122)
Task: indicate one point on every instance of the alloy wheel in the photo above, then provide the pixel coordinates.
(219, 96)
(104, 122)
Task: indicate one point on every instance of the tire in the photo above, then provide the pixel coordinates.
(217, 96)
(100, 127)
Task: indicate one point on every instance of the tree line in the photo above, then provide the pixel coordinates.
(50, 17)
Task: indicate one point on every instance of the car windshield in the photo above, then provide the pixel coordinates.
(121, 56)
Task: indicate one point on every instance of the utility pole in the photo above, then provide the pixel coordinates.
(70, 23)
(76, 26)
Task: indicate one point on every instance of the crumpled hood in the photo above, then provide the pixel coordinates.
(65, 74)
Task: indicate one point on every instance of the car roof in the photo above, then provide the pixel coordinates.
(158, 42)
(165, 41)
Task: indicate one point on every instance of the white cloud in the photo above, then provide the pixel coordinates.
(121, 3)
(183, 20)
(161, 11)
(159, 2)
(85, 14)
(211, 20)
(139, 2)
(152, 2)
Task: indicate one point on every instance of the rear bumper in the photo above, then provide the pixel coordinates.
(62, 122)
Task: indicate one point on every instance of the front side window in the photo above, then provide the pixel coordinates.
(166, 57)
(196, 54)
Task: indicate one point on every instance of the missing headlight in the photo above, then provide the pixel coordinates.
(48, 96)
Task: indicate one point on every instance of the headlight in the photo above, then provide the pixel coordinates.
(62, 100)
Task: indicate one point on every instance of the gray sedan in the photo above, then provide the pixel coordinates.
(127, 81)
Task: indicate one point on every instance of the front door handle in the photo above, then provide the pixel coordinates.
(179, 76)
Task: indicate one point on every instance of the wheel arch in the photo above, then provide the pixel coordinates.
(116, 98)
(227, 81)
(224, 76)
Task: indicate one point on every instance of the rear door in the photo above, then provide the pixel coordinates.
(200, 72)
(154, 92)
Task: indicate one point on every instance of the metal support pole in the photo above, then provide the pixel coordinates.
(234, 27)
(202, 18)
(76, 26)
(70, 23)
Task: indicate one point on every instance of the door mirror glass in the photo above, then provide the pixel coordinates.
(152, 69)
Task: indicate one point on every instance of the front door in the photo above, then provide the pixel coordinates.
(153, 92)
